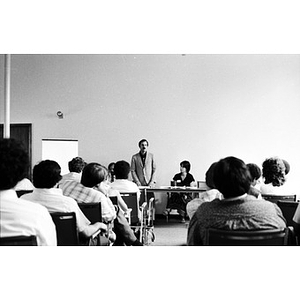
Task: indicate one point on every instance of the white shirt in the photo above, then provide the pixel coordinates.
(21, 217)
(126, 186)
(54, 200)
(24, 185)
(269, 189)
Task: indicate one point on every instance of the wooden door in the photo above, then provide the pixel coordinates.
(22, 133)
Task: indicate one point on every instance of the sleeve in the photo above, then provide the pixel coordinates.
(133, 170)
(193, 238)
(153, 175)
(108, 209)
(46, 231)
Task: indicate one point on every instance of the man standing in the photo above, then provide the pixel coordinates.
(143, 166)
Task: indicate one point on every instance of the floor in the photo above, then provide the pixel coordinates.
(171, 233)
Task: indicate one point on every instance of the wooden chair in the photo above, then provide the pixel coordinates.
(66, 229)
(276, 198)
(132, 202)
(19, 241)
(270, 237)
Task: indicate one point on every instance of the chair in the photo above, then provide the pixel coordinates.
(92, 211)
(66, 230)
(268, 237)
(19, 241)
(275, 198)
(114, 200)
(288, 209)
(131, 200)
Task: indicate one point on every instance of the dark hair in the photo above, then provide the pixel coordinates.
(143, 140)
(254, 170)
(93, 174)
(287, 166)
(209, 176)
(186, 164)
(46, 174)
(122, 169)
(232, 177)
(76, 164)
(273, 170)
(110, 165)
(14, 162)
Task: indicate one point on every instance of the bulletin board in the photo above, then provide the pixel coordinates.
(60, 150)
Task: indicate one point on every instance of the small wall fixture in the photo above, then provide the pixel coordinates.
(60, 114)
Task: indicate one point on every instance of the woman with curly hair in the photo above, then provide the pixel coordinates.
(274, 176)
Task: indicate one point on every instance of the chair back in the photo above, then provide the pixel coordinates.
(275, 198)
(22, 192)
(288, 209)
(114, 200)
(19, 241)
(92, 211)
(66, 229)
(268, 237)
(131, 200)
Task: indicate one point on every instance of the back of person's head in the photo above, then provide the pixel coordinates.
(14, 162)
(254, 170)
(186, 164)
(232, 177)
(76, 164)
(287, 167)
(46, 174)
(142, 141)
(93, 174)
(209, 176)
(273, 171)
(122, 169)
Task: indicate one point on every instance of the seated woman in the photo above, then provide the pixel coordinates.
(177, 200)
(274, 176)
(255, 173)
(211, 194)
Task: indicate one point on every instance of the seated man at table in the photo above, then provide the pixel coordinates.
(89, 190)
(19, 217)
(46, 176)
(237, 211)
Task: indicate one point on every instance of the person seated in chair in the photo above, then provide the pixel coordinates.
(46, 175)
(179, 200)
(89, 190)
(19, 217)
(76, 166)
(255, 173)
(211, 194)
(274, 171)
(237, 211)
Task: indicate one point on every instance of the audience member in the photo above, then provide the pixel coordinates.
(211, 194)
(87, 191)
(274, 176)
(46, 175)
(255, 174)
(76, 166)
(17, 216)
(143, 166)
(237, 211)
(179, 200)
(287, 167)
(111, 172)
(24, 185)
(121, 183)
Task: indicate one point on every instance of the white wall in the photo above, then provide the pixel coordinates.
(195, 107)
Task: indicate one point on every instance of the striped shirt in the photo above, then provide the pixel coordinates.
(83, 194)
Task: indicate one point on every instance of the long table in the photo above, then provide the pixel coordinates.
(170, 189)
